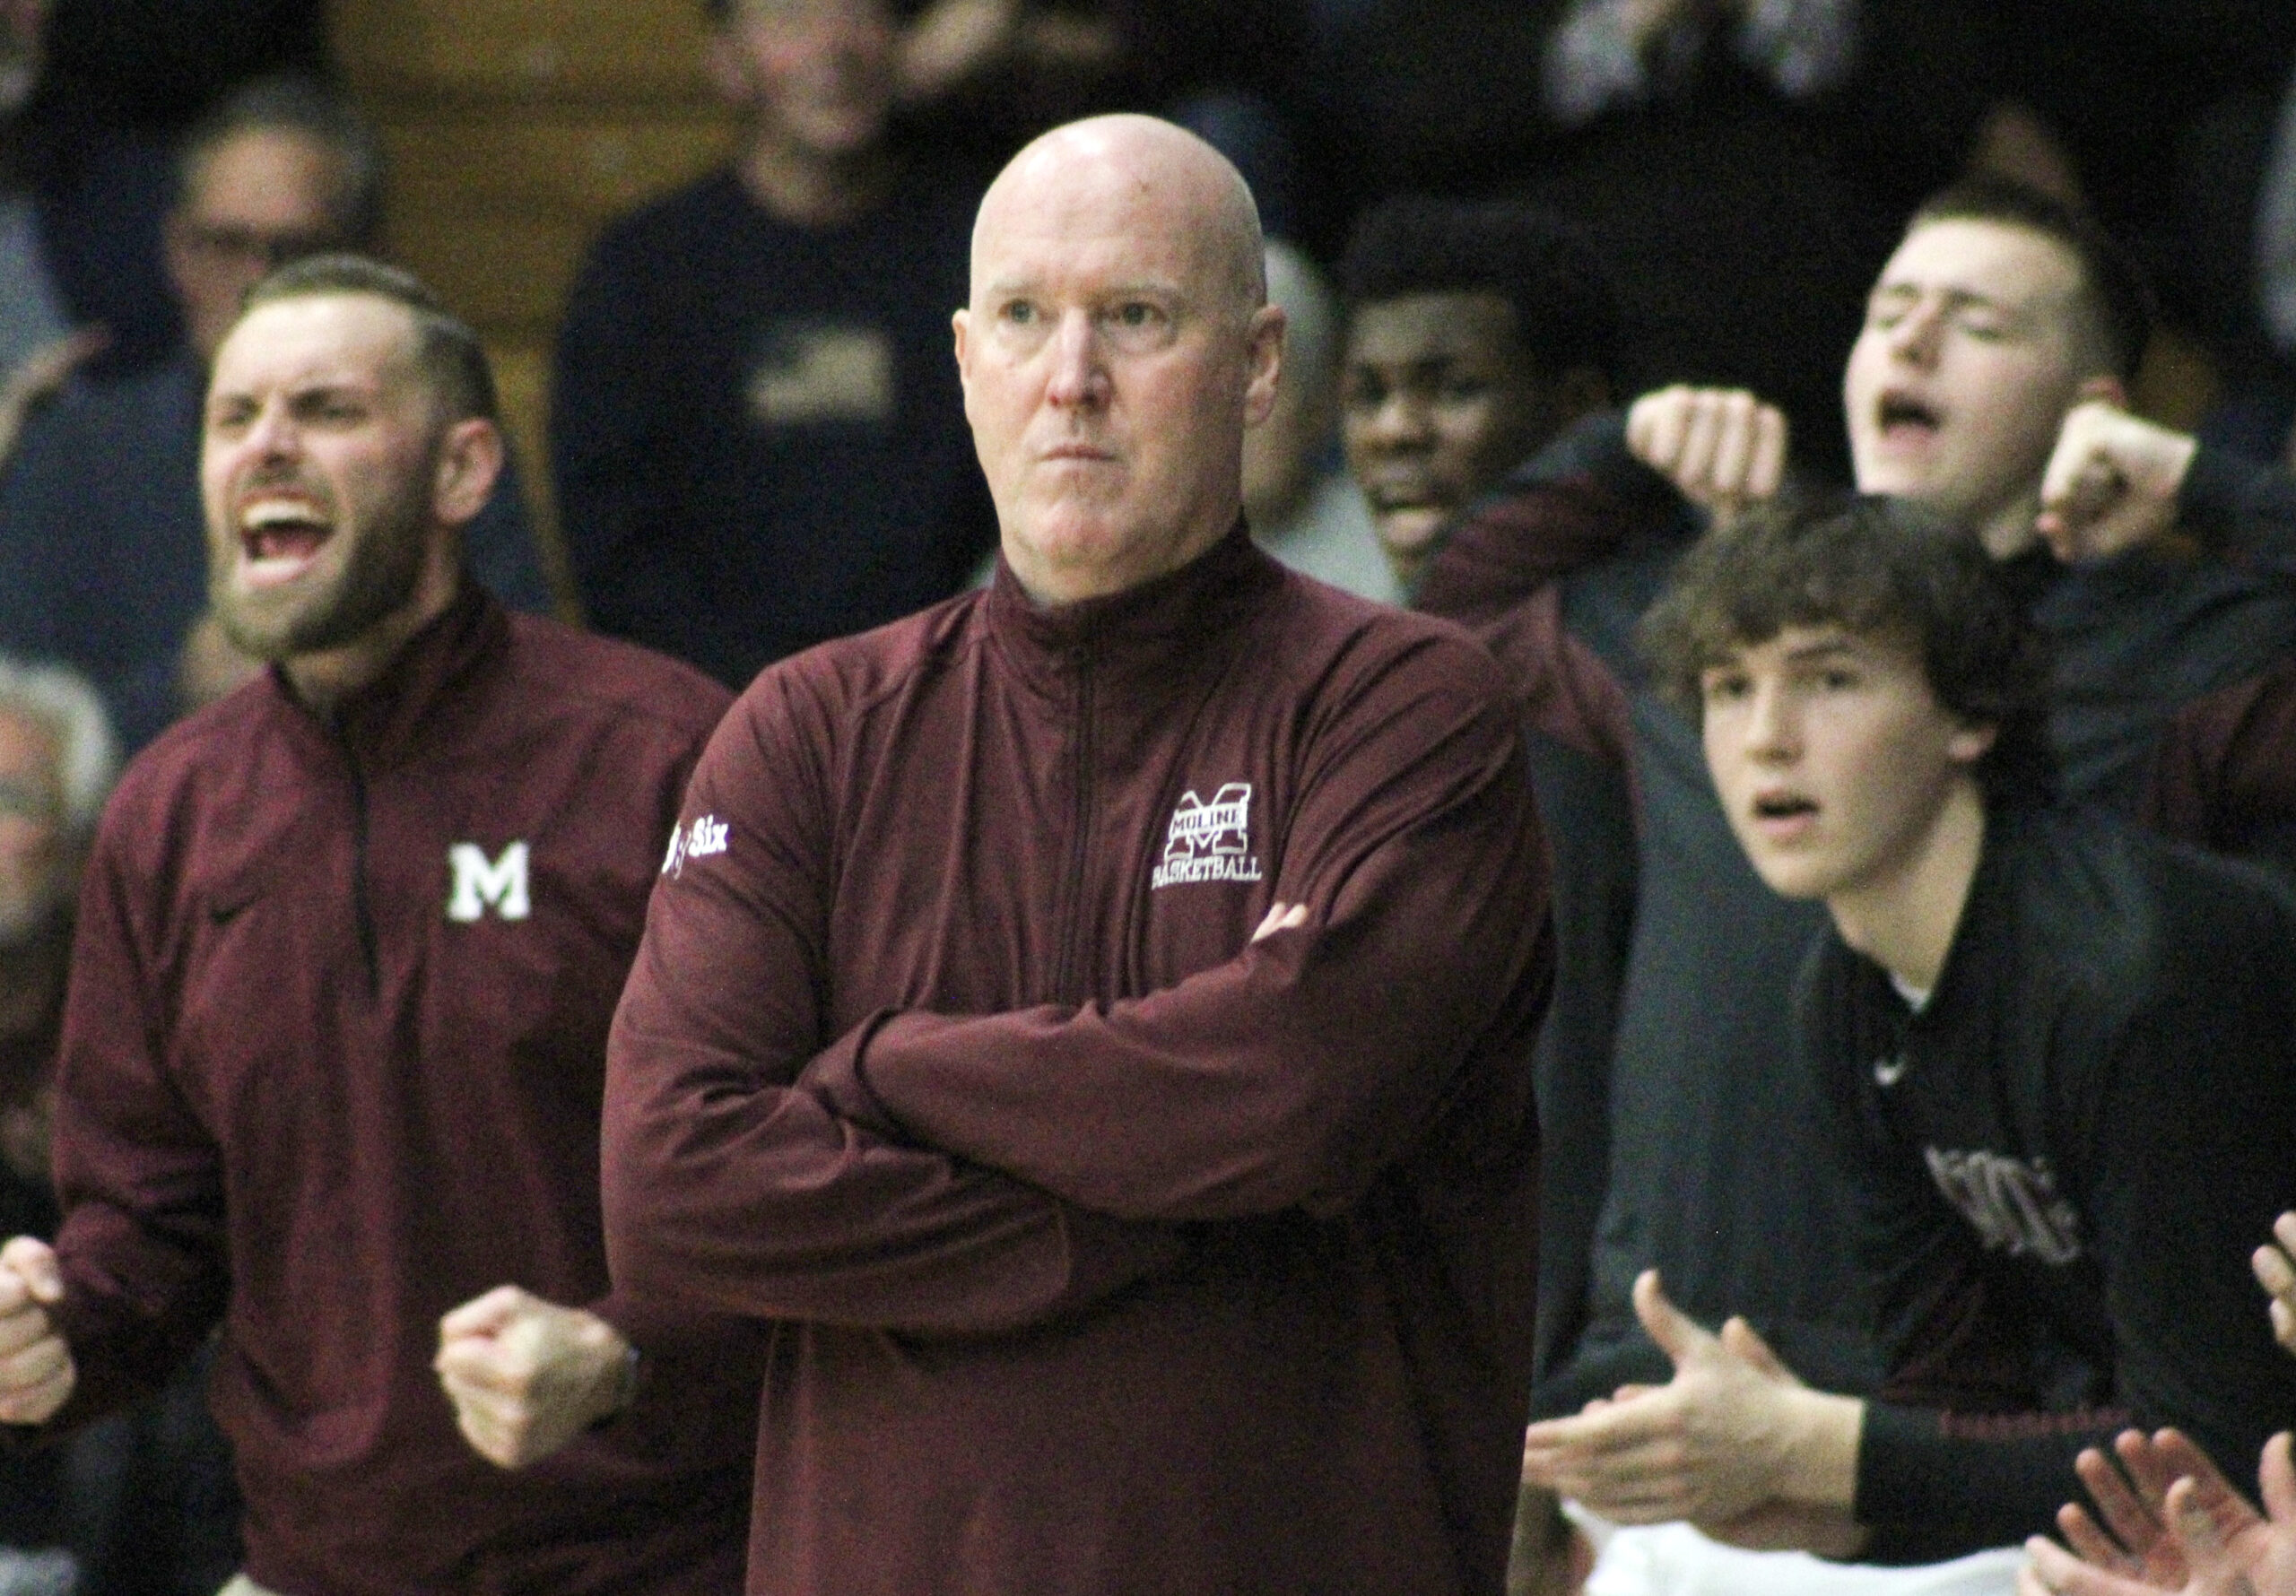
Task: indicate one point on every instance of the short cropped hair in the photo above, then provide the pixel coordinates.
(1566, 311)
(450, 355)
(2114, 294)
(291, 102)
(1873, 567)
(60, 699)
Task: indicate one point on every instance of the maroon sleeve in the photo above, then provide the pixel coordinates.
(138, 1178)
(1509, 548)
(727, 1185)
(698, 1372)
(1294, 1074)
(1565, 690)
(2225, 777)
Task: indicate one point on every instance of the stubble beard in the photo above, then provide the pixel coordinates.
(385, 566)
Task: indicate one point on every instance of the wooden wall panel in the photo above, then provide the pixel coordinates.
(523, 50)
(516, 129)
(585, 168)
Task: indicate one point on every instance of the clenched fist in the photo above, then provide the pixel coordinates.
(527, 1376)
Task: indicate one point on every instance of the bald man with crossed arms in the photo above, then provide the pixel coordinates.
(1090, 1020)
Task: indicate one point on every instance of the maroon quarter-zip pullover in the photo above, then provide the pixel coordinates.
(1106, 1251)
(331, 1064)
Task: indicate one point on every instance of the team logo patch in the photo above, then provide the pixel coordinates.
(705, 837)
(2014, 1205)
(1210, 842)
(480, 881)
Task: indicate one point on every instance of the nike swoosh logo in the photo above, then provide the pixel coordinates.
(1888, 1071)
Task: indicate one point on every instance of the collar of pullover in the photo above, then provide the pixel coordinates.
(393, 718)
(1146, 631)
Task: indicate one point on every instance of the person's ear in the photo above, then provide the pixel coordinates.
(1264, 352)
(1969, 743)
(176, 250)
(470, 460)
(961, 326)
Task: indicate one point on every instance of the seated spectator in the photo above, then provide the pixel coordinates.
(758, 433)
(1309, 515)
(102, 559)
(1475, 333)
(1483, 339)
(143, 1502)
(2053, 1056)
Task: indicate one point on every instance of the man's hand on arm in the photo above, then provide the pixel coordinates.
(2111, 484)
(1723, 448)
(1734, 1443)
(36, 1370)
(527, 1376)
(2275, 1267)
(2171, 1522)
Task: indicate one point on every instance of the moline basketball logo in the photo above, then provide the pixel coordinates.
(1210, 842)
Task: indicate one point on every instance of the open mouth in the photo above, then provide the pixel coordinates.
(1397, 494)
(280, 534)
(1901, 415)
(1778, 807)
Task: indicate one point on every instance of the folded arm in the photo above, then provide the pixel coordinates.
(729, 1186)
(1292, 1075)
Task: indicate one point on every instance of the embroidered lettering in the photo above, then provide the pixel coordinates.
(479, 882)
(1209, 842)
(2014, 1205)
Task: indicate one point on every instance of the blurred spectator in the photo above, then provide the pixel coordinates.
(2177, 182)
(1475, 334)
(1742, 166)
(31, 307)
(1482, 354)
(141, 1504)
(2276, 233)
(758, 434)
(986, 75)
(1301, 505)
(2274, 1263)
(102, 557)
(38, 350)
(2265, 417)
(117, 84)
(982, 77)
(1626, 52)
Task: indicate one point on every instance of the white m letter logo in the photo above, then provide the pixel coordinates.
(477, 883)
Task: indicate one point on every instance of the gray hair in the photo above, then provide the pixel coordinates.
(291, 102)
(59, 698)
